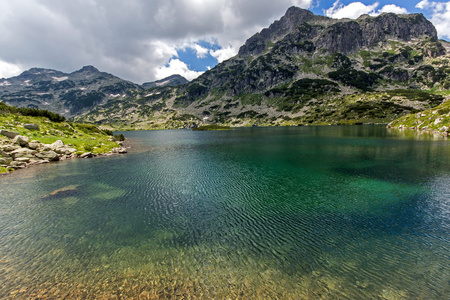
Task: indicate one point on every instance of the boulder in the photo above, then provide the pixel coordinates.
(5, 160)
(23, 159)
(120, 150)
(9, 148)
(44, 147)
(65, 150)
(18, 165)
(48, 155)
(37, 161)
(23, 152)
(3, 153)
(31, 126)
(57, 144)
(9, 134)
(21, 140)
(33, 145)
(86, 155)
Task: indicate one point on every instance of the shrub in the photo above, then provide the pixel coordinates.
(119, 137)
(32, 112)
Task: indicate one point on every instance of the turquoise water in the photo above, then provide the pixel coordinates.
(256, 213)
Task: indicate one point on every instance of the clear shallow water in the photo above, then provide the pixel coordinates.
(288, 213)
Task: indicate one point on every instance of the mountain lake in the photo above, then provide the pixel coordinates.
(338, 212)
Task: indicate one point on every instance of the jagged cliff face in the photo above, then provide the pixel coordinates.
(307, 69)
(345, 36)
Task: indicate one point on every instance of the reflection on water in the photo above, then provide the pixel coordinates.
(257, 213)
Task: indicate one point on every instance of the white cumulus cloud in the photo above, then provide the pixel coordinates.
(440, 15)
(176, 66)
(131, 39)
(356, 9)
(224, 53)
(352, 10)
(9, 70)
(392, 8)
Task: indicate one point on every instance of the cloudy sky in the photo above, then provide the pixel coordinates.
(146, 40)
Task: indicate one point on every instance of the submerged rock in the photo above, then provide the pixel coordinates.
(62, 193)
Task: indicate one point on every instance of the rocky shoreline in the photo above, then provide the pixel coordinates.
(18, 152)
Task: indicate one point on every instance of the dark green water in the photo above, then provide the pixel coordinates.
(287, 213)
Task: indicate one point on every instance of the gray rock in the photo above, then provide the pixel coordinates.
(18, 165)
(23, 159)
(120, 150)
(86, 155)
(65, 150)
(44, 147)
(48, 155)
(31, 126)
(21, 140)
(34, 146)
(9, 134)
(5, 160)
(3, 153)
(9, 148)
(57, 144)
(23, 152)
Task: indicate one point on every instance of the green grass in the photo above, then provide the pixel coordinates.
(79, 136)
(433, 119)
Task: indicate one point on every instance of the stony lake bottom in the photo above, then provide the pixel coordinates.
(357, 212)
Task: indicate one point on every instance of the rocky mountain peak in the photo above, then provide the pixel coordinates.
(173, 80)
(291, 20)
(339, 35)
(88, 69)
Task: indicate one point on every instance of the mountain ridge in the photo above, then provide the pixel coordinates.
(303, 69)
(306, 69)
(71, 94)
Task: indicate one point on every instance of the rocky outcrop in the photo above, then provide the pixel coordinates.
(19, 152)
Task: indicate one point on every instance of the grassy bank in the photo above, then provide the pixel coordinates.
(82, 137)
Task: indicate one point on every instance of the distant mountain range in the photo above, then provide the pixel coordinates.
(303, 69)
(72, 94)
